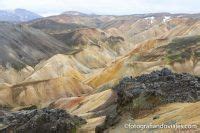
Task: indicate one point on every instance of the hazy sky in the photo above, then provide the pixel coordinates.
(116, 7)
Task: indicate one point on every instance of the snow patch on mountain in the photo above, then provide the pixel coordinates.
(166, 19)
(151, 19)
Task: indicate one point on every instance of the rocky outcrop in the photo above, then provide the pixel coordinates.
(166, 86)
(151, 90)
(40, 121)
(110, 120)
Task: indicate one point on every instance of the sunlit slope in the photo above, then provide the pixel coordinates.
(176, 113)
(41, 93)
(93, 108)
(180, 55)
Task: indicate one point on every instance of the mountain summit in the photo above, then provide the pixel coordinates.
(74, 13)
(17, 15)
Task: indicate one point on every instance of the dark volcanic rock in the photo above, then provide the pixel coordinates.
(110, 120)
(40, 121)
(164, 85)
(150, 90)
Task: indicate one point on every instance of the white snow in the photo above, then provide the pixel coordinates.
(150, 18)
(166, 19)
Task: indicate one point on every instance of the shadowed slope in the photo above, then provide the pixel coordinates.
(22, 46)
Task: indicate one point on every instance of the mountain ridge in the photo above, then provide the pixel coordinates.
(103, 62)
(18, 15)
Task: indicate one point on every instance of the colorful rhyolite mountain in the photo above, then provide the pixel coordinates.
(87, 64)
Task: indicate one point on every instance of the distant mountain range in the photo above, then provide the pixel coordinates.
(18, 15)
(74, 13)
